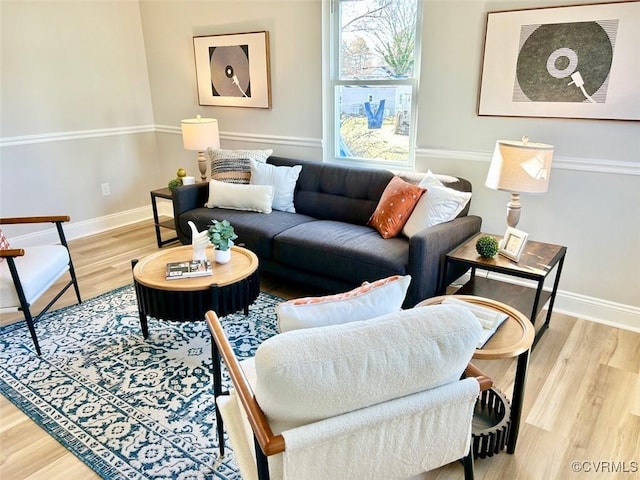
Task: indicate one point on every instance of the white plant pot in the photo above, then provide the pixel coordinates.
(222, 256)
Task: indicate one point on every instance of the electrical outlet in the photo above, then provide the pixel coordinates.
(106, 189)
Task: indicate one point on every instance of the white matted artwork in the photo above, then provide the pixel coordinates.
(233, 70)
(567, 62)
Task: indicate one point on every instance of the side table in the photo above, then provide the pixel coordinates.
(514, 338)
(536, 263)
(157, 223)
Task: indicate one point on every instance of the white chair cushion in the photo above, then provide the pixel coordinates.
(307, 375)
(367, 301)
(38, 269)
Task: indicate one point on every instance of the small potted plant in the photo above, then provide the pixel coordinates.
(222, 235)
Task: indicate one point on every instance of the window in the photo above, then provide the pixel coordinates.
(371, 84)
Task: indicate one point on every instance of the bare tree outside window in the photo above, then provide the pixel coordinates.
(375, 84)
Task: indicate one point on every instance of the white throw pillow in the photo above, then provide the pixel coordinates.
(367, 301)
(307, 375)
(439, 204)
(255, 198)
(282, 179)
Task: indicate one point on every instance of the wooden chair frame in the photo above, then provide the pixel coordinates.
(266, 443)
(10, 256)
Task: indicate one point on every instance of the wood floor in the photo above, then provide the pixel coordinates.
(582, 401)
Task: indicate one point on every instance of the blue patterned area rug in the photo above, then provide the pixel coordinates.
(128, 407)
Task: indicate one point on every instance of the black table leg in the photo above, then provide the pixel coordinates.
(517, 400)
(217, 391)
(143, 316)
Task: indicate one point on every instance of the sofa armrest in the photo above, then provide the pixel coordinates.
(427, 250)
(186, 198)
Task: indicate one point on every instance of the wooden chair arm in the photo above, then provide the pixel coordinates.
(485, 382)
(270, 444)
(12, 252)
(45, 219)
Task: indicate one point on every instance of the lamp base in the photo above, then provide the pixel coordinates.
(202, 166)
(513, 210)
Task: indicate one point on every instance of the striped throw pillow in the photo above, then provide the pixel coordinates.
(233, 166)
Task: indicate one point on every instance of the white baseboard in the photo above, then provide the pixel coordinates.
(73, 230)
(589, 308)
(593, 309)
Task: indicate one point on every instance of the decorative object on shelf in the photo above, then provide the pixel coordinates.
(188, 180)
(519, 167)
(221, 235)
(181, 173)
(566, 62)
(174, 183)
(487, 246)
(233, 70)
(513, 243)
(199, 242)
(198, 134)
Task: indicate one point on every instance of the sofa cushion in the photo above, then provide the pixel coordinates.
(255, 198)
(352, 253)
(362, 303)
(256, 231)
(282, 179)
(396, 204)
(307, 375)
(233, 166)
(337, 192)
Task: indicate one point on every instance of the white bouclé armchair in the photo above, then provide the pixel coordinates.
(377, 399)
(27, 273)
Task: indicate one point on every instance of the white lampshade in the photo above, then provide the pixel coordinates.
(200, 133)
(521, 167)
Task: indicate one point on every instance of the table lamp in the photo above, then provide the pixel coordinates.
(198, 134)
(519, 167)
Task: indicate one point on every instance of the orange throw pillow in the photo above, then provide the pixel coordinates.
(395, 206)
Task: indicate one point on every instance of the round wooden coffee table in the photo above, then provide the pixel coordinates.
(513, 338)
(233, 286)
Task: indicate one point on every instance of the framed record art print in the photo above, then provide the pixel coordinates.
(566, 62)
(233, 70)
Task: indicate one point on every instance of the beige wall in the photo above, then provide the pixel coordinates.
(75, 109)
(123, 66)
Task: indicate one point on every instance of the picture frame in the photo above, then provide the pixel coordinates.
(562, 62)
(512, 244)
(233, 70)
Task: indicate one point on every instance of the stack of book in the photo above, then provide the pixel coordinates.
(489, 319)
(188, 269)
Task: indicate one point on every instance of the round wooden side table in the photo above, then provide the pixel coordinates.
(513, 338)
(233, 286)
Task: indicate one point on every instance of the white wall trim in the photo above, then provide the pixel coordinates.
(561, 163)
(564, 163)
(594, 309)
(84, 228)
(74, 135)
(254, 138)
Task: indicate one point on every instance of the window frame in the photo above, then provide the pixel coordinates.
(331, 38)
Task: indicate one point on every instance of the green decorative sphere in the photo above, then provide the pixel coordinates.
(175, 183)
(487, 246)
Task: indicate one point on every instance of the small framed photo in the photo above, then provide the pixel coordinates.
(233, 70)
(513, 244)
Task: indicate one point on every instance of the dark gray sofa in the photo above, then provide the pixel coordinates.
(327, 243)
